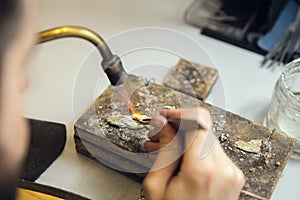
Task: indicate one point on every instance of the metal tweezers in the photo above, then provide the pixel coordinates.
(185, 124)
(177, 122)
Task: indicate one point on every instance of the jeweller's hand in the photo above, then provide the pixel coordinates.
(212, 177)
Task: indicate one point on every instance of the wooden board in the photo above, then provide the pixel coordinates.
(117, 147)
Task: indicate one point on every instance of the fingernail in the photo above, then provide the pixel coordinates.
(154, 130)
(158, 121)
(164, 112)
(157, 124)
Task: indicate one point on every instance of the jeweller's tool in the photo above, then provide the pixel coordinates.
(177, 122)
(286, 46)
(185, 124)
(111, 64)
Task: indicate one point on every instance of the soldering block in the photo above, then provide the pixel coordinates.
(115, 146)
(191, 78)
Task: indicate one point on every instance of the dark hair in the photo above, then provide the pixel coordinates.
(10, 14)
(8, 184)
(10, 18)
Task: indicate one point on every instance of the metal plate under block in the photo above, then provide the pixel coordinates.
(260, 153)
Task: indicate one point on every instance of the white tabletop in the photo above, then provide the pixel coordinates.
(56, 68)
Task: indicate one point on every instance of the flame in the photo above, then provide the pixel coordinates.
(132, 108)
(137, 115)
(134, 113)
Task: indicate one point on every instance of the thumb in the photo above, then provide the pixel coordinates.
(166, 162)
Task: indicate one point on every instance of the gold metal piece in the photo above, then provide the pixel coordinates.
(144, 119)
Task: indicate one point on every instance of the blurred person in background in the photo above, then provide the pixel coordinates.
(17, 37)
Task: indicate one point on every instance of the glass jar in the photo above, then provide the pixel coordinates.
(284, 110)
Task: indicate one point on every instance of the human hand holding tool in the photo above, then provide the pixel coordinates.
(176, 176)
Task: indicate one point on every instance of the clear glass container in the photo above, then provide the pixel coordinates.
(284, 110)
